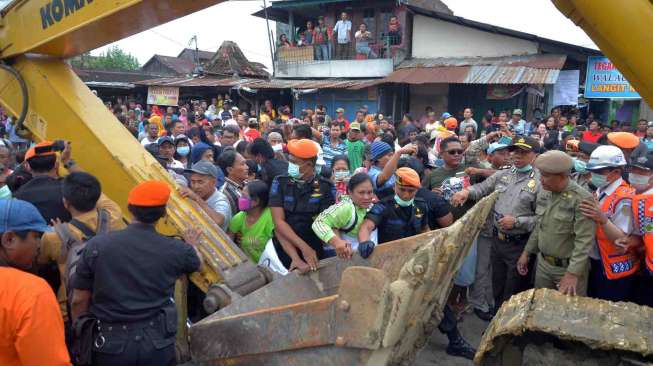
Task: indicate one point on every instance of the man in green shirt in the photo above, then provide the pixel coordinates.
(451, 152)
(563, 236)
(355, 147)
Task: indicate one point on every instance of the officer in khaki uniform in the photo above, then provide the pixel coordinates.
(513, 215)
(563, 236)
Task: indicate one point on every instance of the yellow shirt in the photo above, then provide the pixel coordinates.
(51, 243)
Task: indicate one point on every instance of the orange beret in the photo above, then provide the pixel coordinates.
(624, 140)
(303, 149)
(149, 194)
(451, 123)
(32, 151)
(408, 177)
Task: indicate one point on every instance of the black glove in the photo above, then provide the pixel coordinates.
(366, 248)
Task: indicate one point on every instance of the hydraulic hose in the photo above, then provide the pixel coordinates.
(23, 90)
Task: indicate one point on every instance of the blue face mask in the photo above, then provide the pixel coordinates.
(183, 150)
(599, 180)
(525, 169)
(5, 192)
(293, 171)
(341, 175)
(580, 166)
(403, 203)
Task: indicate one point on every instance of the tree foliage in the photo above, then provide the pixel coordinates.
(114, 59)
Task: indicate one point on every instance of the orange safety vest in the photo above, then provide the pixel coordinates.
(615, 264)
(643, 210)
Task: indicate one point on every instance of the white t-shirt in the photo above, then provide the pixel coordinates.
(343, 28)
(220, 204)
(146, 141)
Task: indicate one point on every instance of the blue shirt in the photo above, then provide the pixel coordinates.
(374, 174)
(331, 151)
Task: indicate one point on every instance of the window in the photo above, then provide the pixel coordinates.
(369, 20)
(384, 19)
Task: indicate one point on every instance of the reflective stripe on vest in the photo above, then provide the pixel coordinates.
(642, 208)
(615, 264)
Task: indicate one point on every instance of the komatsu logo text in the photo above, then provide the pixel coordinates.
(56, 10)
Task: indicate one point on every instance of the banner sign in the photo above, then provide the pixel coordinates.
(565, 90)
(605, 81)
(163, 95)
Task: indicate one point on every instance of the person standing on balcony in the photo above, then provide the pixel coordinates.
(394, 31)
(320, 40)
(309, 33)
(363, 38)
(343, 32)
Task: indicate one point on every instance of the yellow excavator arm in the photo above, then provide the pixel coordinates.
(35, 37)
(622, 31)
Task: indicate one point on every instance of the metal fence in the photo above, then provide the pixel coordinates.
(383, 48)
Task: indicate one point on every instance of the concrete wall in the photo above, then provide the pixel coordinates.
(373, 68)
(437, 38)
(434, 95)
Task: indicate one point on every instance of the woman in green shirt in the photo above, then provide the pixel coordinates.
(252, 227)
(338, 225)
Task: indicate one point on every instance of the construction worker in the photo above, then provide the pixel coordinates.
(125, 279)
(641, 179)
(562, 236)
(83, 198)
(513, 216)
(611, 268)
(295, 200)
(31, 328)
(399, 217)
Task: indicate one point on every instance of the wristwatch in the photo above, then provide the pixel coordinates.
(69, 164)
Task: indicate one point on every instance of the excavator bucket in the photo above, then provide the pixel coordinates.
(545, 327)
(375, 311)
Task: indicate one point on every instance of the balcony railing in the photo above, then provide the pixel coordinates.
(382, 49)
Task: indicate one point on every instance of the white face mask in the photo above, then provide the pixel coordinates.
(639, 182)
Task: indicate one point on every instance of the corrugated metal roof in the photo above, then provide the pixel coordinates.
(262, 84)
(473, 75)
(531, 69)
(539, 61)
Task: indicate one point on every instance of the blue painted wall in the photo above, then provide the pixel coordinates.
(350, 100)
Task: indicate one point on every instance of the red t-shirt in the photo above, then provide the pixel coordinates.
(589, 136)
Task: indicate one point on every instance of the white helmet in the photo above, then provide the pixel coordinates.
(606, 156)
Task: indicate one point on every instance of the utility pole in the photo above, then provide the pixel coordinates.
(196, 57)
(267, 22)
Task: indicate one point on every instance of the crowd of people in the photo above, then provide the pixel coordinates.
(336, 42)
(573, 213)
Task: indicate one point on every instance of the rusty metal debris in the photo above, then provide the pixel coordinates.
(624, 330)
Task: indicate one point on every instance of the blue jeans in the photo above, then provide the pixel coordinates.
(364, 48)
(322, 52)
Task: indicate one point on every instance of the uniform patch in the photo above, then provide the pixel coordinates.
(531, 184)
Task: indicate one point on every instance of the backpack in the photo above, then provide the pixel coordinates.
(72, 246)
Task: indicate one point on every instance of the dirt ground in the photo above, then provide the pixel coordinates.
(433, 353)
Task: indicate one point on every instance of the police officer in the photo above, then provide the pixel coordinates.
(581, 175)
(399, 217)
(295, 200)
(563, 236)
(126, 280)
(611, 267)
(514, 215)
(44, 189)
